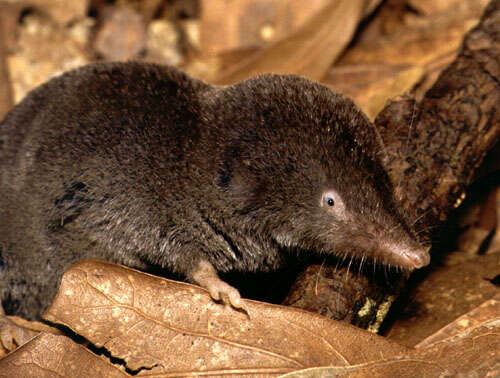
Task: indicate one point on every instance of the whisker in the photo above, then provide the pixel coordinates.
(421, 216)
(317, 277)
(411, 125)
(348, 268)
(393, 228)
(361, 264)
(380, 139)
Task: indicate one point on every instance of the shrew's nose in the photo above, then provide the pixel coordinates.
(415, 258)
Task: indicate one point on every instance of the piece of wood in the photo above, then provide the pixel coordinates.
(431, 149)
(354, 296)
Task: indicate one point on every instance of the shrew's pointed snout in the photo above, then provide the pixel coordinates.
(415, 259)
(401, 251)
(406, 254)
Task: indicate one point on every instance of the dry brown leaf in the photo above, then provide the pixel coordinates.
(372, 95)
(34, 326)
(414, 44)
(310, 51)
(443, 296)
(48, 355)
(468, 347)
(249, 24)
(488, 311)
(403, 57)
(172, 327)
(429, 7)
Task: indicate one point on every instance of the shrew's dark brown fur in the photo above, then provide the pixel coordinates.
(141, 164)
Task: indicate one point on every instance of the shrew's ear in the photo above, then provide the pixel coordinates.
(241, 185)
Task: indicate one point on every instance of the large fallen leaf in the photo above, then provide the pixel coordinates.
(311, 50)
(48, 355)
(31, 328)
(428, 7)
(443, 296)
(468, 347)
(171, 327)
(248, 24)
(402, 53)
(489, 311)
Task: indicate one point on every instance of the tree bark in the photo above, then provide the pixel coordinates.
(430, 149)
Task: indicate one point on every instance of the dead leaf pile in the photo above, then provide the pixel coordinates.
(154, 326)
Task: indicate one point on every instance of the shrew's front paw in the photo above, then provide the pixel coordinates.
(206, 276)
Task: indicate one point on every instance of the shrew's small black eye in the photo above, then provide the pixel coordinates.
(330, 202)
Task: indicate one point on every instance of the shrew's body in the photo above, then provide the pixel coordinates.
(141, 164)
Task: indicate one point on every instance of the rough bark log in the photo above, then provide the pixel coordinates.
(359, 298)
(431, 149)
